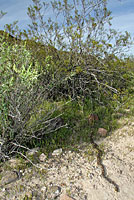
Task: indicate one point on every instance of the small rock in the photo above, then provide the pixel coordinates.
(44, 189)
(102, 132)
(132, 124)
(8, 177)
(1, 141)
(31, 152)
(57, 152)
(42, 157)
(4, 189)
(13, 162)
(65, 197)
(91, 175)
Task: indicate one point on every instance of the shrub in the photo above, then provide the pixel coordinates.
(21, 95)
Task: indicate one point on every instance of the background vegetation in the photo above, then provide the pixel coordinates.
(58, 72)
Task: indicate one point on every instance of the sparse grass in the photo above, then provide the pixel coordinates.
(90, 154)
(79, 129)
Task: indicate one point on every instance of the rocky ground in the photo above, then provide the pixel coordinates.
(68, 175)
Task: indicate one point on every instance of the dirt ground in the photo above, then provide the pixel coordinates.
(77, 173)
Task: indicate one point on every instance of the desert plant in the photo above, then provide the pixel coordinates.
(21, 97)
(89, 63)
(84, 48)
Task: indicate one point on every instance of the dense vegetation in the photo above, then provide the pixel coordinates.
(55, 74)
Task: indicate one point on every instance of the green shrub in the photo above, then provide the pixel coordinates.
(22, 95)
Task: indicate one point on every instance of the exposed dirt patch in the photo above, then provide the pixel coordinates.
(78, 175)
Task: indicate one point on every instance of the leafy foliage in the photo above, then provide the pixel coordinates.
(21, 97)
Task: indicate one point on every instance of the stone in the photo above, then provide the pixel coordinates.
(57, 152)
(42, 157)
(132, 124)
(102, 132)
(32, 152)
(65, 197)
(1, 141)
(9, 177)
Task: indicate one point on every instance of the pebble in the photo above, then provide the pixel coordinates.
(102, 132)
(57, 152)
(42, 157)
(65, 197)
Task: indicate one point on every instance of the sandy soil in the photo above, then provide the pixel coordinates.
(78, 175)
